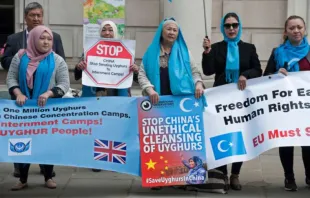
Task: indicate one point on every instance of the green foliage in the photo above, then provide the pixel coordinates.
(121, 29)
(103, 10)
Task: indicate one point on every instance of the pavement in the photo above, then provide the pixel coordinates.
(261, 177)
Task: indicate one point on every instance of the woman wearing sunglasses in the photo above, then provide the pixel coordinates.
(232, 61)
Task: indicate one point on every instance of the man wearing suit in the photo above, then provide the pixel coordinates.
(15, 42)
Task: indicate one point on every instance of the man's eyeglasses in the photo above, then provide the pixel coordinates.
(35, 15)
(229, 25)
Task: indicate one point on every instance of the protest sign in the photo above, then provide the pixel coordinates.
(172, 142)
(108, 63)
(96, 11)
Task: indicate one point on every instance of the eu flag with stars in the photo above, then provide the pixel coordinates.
(227, 145)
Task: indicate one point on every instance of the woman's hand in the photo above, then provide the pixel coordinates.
(181, 155)
(21, 99)
(153, 95)
(206, 45)
(134, 68)
(283, 71)
(43, 98)
(199, 90)
(242, 82)
(81, 65)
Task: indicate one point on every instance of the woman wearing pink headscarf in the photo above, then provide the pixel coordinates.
(37, 73)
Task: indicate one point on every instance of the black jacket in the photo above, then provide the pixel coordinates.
(271, 67)
(18, 41)
(215, 62)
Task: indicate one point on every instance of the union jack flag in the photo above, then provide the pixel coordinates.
(110, 151)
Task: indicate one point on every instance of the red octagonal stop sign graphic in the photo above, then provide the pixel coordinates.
(108, 57)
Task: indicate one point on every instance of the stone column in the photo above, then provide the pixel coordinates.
(190, 15)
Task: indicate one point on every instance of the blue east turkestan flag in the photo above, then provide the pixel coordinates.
(228, 145)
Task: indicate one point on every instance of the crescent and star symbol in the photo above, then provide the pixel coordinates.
(196, 104)
(220, 148)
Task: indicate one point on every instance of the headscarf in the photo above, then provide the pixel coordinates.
(180, 75)
(120, 92)
(33, 53)
(287, 53)
(198, 162)
(33, 61)
(113, 25)
(232, 58)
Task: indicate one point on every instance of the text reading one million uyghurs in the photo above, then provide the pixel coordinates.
(56, 112)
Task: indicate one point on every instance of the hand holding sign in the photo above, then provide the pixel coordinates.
(135, 68)
(81, 65)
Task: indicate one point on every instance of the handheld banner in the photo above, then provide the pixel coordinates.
(86, 132)
(271, 112)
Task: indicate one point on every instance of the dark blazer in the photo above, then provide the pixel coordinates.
(215, 62)
(271, 67)
(18, 41)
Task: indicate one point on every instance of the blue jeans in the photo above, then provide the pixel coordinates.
(24, 168)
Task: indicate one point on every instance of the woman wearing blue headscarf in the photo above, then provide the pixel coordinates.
(167, 67)
(232, 61)
(292, 56)
(196, 174)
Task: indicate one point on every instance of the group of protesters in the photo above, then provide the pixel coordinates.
(35, 61)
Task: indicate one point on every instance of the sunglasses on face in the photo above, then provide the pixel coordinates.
(229, 25)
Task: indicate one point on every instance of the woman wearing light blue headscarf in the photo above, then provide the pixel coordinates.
(292, 56)
(232, 61)
(167, 67)
(196, 174)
